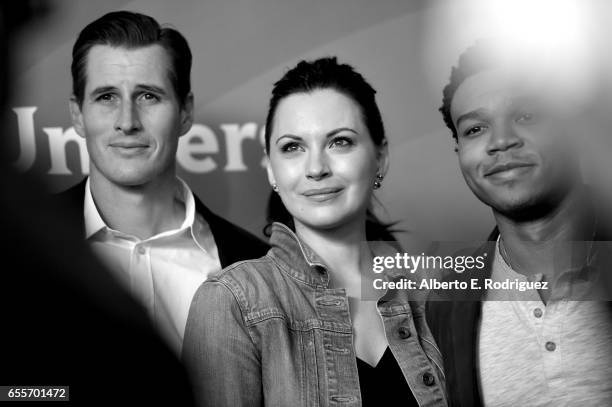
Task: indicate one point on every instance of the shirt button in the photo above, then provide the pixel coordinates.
(428, 379)
(537, 312)
(550, 346)
(142, 249)
(403, 332)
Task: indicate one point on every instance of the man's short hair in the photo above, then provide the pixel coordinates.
(132, 30)
(473, 60)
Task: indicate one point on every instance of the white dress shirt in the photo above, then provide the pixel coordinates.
(162, 272)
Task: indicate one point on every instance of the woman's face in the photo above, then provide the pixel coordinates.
(323, 159)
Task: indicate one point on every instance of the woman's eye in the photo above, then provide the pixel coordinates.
(341, 142)
(290, 147)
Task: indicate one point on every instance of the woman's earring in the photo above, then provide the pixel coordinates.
(275, 188)
(378, 182)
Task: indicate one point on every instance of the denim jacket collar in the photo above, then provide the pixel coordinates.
(296, 258)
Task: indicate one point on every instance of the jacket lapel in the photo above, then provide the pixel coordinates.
(465, 318)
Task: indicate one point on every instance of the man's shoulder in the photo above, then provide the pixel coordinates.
(235, 232)
(71, 200)
(73, 195)
(222, 227)
(233, 242)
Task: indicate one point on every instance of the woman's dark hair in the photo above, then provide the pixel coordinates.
(327, 73)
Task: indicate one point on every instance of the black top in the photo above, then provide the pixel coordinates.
(384, 384)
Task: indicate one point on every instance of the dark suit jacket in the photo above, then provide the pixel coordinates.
(67, 320)
(233, 243)
(454, 319)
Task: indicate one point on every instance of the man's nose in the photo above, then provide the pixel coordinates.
(128, 120)
(503, 137)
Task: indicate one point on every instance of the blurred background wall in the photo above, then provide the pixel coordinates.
(240, 48)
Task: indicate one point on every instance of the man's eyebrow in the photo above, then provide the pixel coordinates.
(474, 114)
(151, 88)
(103, 89)
(143, 87)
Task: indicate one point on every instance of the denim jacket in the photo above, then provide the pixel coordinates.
(270, 332)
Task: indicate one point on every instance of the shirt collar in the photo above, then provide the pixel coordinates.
(94, 222)
(302, 262)
(574, 284)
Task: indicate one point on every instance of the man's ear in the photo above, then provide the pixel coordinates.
(383, 158)
(187, 114)
(76, 116)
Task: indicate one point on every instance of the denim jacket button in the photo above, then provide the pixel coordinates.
(428, 379)
(403, 332)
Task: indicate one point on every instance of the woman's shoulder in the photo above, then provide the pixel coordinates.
(249, 279)
(246, 270)
(260, 287)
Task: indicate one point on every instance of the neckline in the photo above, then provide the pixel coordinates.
(380, 362)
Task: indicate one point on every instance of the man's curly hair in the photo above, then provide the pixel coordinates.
(477, 58)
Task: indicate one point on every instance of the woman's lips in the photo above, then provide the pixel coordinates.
(322, 194)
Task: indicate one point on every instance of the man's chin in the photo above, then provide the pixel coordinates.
(523, 207)
(139, 176)
(132, 180)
